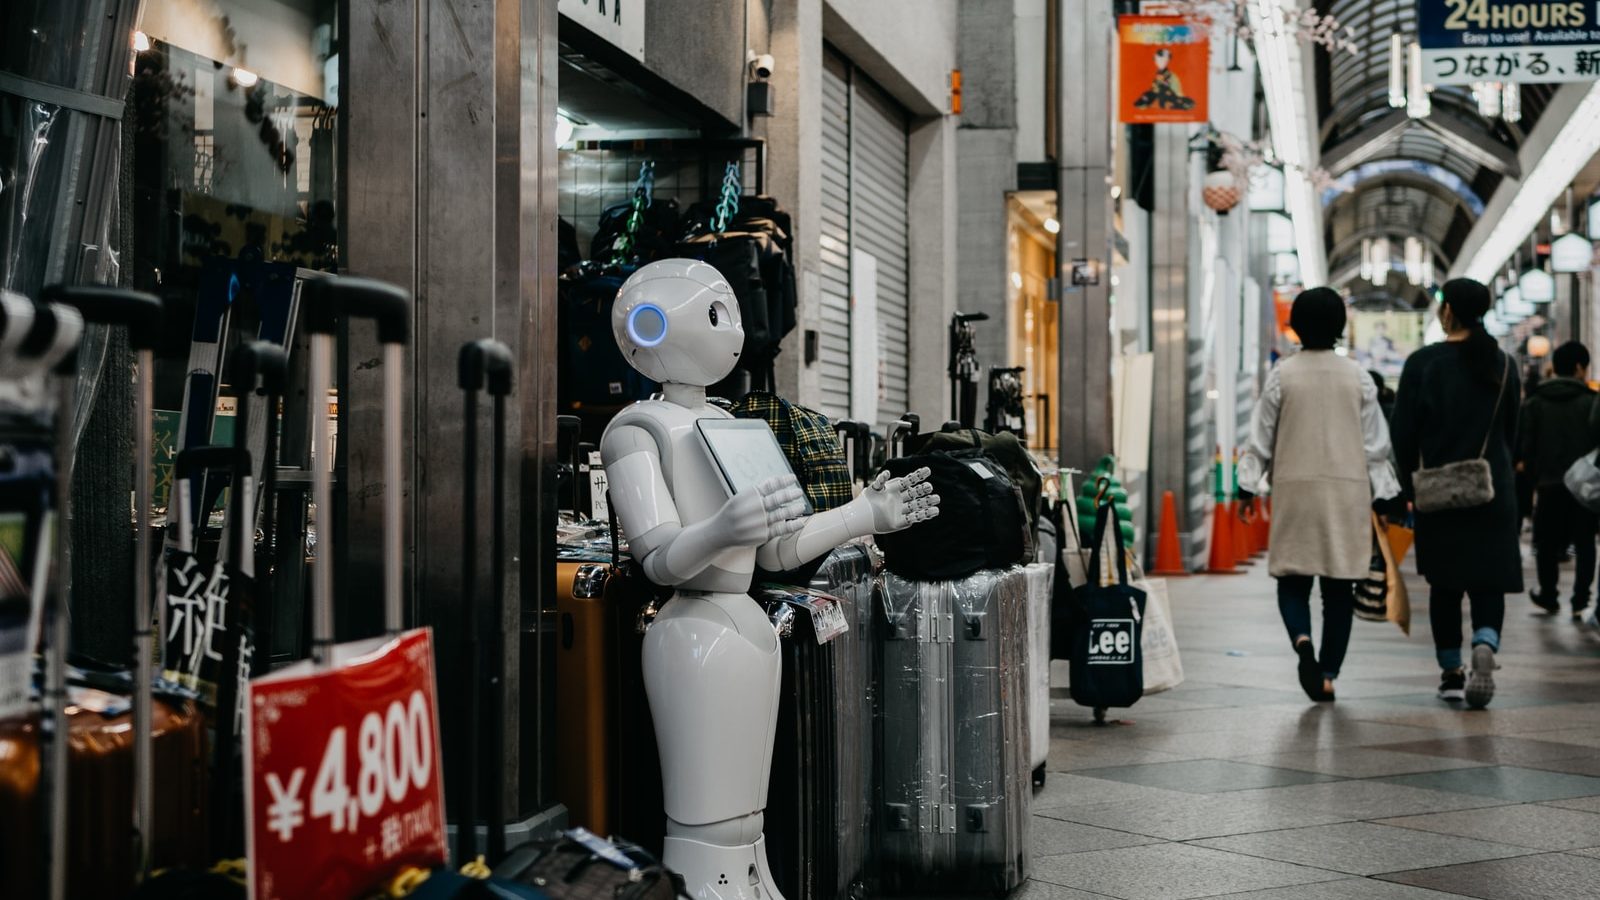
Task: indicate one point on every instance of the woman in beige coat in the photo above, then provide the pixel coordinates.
(1319, 438)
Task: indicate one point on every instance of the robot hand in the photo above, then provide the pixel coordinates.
(772, 510)
(899, 503)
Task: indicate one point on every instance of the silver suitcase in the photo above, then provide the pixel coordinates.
(952, 733)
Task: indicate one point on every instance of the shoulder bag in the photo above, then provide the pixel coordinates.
(1463, 484)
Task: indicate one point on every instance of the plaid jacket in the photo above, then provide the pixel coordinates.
(807, 439)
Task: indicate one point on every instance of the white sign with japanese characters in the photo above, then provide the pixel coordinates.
(1517, 41)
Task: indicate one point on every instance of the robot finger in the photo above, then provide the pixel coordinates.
(917, 476)
(879, 482)
(922, 490)
(782, 497)
(788, 526)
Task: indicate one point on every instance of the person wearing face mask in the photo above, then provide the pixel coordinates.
(1457, 403)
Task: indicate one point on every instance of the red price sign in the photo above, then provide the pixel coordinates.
(344, 785)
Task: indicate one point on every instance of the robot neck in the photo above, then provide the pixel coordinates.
(688, 395)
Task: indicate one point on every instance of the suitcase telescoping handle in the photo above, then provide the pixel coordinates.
(483, 364)
(44, 337)
(197, 461)
(328, 301)
(141, 314)
(568, 430)
(261, 367)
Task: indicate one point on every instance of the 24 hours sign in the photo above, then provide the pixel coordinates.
(1522, 41)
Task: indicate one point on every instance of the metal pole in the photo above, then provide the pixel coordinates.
(321, 365)
(144, 638)
(55, 695)
(394, 360)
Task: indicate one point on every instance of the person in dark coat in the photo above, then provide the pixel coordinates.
(1458, 400)
(1554, 434)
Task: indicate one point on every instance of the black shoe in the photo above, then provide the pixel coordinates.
(1453, 686)
(1310, 672)
(1548, 604)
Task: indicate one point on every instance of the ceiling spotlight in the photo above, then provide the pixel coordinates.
(1052, 226)
(1397, 70)
(141, 42)
(1418, 105)
(245, 78)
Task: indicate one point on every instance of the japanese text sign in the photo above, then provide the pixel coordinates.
(1164, 65)
(1534, 41)
(343, 781)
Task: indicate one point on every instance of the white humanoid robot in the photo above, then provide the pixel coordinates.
(711, 662)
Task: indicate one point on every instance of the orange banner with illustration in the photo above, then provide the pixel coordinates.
(1164, 66)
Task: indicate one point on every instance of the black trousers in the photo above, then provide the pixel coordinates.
(1559, 521)
(1444, 615)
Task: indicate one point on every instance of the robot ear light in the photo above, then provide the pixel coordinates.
(647, 325)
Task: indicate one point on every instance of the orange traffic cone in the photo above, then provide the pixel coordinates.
(1169, 554)
(1222, 558)
(1266, 523)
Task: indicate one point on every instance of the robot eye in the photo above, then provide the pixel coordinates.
(719, 315)
(712, 312)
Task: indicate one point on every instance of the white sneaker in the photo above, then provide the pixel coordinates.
(1480, 684)
(1591, 618)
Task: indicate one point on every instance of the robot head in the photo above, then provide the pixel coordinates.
(677, 321)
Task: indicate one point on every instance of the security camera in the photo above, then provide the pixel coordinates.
(762, 66)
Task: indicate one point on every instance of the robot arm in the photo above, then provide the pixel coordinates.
(888, 504)
(671, 553)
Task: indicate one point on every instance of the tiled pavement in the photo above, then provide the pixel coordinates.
(1234, 785)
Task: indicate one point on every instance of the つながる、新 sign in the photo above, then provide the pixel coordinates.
(1163, 69)
(1519, 41)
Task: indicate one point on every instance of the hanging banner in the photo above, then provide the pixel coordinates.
(1531, 41)
(1164, 65)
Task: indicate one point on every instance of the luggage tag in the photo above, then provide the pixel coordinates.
(599, 500)
(827, 612)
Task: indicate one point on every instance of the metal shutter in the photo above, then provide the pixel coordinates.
(833, 339)
(865, 190)
(879, 185)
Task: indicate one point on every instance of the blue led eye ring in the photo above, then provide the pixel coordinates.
(647, 325)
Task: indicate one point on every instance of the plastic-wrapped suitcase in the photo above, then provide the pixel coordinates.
(951, 735)
(1041, 584)
(816, 798)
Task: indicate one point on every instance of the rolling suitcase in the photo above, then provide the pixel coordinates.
(1041, 583)
(951, 738)
(114, 749)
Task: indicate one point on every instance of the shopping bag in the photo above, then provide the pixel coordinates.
(1106, 668)
(1382, 596)
(1583, 481)
(1398, 601)
(1400, 539)
(1163, 669)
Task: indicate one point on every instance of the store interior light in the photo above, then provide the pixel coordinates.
(1052, 226)
(1487, 93)
(1513, 306)
(1366, 259)
(1592, 218)
(1266, 190)
(1572, 252)
(564, 129)
(245, 78)
(141, 42)
(1283, 76)
(1414, 252)
(1511, 102)
(1016, 280)
(1574, 145)
(1538, 286)
(1381, 260)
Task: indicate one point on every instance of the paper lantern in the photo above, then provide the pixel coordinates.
(1571, 252)
(1220, 191)
(1538, 346)
(1538, 286)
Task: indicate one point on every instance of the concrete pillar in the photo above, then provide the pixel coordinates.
(1169, 333)
(794, 147)
(934, 250)
(1083, 39)
(450, 113)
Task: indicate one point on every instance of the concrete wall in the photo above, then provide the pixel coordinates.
(908, 46)
(699, 46)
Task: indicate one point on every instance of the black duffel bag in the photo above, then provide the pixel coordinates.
(981, 523)
(1004, 449)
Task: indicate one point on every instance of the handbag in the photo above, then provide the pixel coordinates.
(1463, 484)
(1107, 660)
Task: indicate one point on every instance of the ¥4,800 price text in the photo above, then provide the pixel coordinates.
(394, 755)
